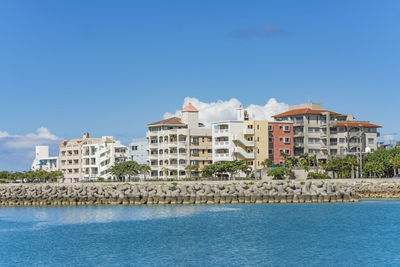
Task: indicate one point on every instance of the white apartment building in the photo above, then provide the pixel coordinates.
(42, 160)
(99, 155)
(326, 133)
(177, 142)
(241, 139)
(138, 151)
(88, 158)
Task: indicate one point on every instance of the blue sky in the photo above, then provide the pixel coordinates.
(111, 67)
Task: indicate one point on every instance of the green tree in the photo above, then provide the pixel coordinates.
(278, 173)
(266, 163)
(190, 169)
(144, 169)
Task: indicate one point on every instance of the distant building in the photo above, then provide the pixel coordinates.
(280, 141)
(241, 139)
(42, 160)
(177, 142)
(326, 133)
(88, 158)
(138, 151)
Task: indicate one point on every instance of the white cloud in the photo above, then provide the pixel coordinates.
(17, 151)
(226, 110)
(3, 134)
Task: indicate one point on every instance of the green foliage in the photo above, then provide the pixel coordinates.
(125, 169)
(278, 173)
(267, 163)
(382, 163)
(231, 167)
(342, 167)
(314, 175)
(31, 176)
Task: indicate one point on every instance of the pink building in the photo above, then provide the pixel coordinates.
(280, 140)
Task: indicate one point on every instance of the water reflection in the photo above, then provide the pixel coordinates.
(55, 216)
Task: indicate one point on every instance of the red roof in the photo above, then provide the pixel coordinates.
(173, 120)
(189, 107)
(357, 124)
(302, 111)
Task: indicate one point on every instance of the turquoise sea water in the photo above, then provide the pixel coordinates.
(366, 233)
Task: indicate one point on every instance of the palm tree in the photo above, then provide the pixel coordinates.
(266, 163)
(145, 169)
(165, 171)
(190, 169)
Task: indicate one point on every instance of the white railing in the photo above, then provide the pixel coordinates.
(243, 153)
(248, 131)
(218, 131)
(221, 143)
(241, 139)
(222, 155)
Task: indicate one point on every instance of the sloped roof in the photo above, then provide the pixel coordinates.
(189, 107)
(302, 111)
(169, 121)
(357, 124)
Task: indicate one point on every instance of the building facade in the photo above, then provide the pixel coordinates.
(176, 143)
(88, 158)
(326, 133)
(280, 141)
(42, 160)
(241, 139)
(138, 151)
(99, 155)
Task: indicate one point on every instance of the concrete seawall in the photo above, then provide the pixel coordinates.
(176, 193)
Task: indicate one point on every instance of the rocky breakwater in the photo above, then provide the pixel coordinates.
(172, 193)
(376, 189)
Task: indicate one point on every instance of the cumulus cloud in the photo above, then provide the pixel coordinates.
(265, 30)
(226, 110)
(18, 151)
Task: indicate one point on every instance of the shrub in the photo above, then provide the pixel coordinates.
(278, 173)
(3, 181)
(100, 179)
(314, 175)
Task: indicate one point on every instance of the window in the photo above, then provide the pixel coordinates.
(270, 128)
(258, 127)
(287, 128)
(270, 151)
(287, 140)
(209, 139)
(371, 141)
(287, 151)
(270, 139)
(342, 140)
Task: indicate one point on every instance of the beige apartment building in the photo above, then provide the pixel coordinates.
(326, 133)
(177, 142)
(241, 139)
(70, 159)
(87, 158)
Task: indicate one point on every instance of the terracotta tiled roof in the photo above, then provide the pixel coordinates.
(357, 124)
(173, 120)
(304, 111)
(189, 107)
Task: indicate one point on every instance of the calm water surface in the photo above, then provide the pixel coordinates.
(366, 233)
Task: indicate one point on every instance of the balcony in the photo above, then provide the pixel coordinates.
(240, 151)
(221, 143)
(298, 134)
(222, 155)
(220, 131)
(241, 139)
(248, 131)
